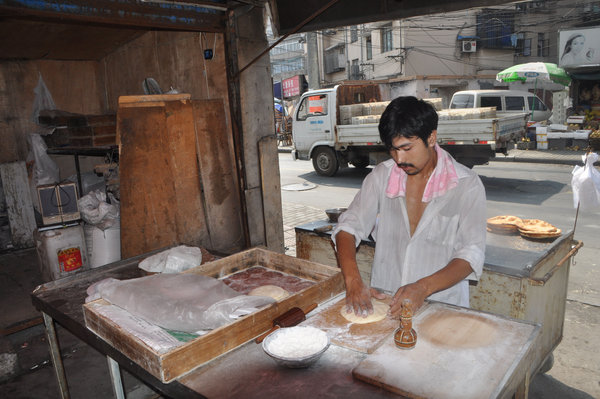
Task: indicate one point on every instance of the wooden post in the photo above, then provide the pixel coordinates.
(19, 205)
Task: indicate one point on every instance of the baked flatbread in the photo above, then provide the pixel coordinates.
(538, 229)
(505, 224)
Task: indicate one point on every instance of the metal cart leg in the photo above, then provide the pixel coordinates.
(59, 369)
(115, 376)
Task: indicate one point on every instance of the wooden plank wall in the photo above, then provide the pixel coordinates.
(75, 86)
(173, 59)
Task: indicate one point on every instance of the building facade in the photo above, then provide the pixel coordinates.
(437, 55)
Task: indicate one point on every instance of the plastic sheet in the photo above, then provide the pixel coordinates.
(173, 260)
(183, 302)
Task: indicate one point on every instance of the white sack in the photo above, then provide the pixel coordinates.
(586, 184)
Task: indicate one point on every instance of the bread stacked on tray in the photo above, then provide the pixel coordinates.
(538, 229)
(505, 224)
(529, 228)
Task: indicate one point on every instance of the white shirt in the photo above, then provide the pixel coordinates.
(452, 226)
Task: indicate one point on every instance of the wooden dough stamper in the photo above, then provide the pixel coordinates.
(405, 337)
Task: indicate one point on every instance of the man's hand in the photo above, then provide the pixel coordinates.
(416, 292)
(358, 298)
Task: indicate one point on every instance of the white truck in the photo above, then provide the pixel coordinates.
(339, 126)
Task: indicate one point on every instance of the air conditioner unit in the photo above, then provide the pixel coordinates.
(469, 46)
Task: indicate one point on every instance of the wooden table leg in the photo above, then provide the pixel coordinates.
(59, 369)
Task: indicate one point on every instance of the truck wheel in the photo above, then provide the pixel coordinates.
(360, 163)
(325, 162)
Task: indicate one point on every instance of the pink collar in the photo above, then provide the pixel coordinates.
(442, 179)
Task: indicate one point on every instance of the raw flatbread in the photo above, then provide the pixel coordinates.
(272, 291)
(380, 310)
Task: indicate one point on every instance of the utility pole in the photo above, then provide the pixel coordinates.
(312, 62)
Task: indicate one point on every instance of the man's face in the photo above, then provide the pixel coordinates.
(412, 155)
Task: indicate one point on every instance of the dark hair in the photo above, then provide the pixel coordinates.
(569, 43)
(407, 117)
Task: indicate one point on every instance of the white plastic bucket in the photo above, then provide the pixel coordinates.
(61, 251)
(104, 246)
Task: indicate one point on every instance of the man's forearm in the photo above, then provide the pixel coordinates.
(456, 271)
(346, 254)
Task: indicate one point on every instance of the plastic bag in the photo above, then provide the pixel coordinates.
(45, 170)
(173, 260)
(182, 302)
(586, 184)
(96, 211)
(43, 100)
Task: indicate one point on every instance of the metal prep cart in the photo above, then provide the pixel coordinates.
(522, 279)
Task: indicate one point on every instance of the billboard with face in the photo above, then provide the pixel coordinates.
(579, 48)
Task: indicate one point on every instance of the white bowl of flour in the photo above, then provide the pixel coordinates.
(296, 347)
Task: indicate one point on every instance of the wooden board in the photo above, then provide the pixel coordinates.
(360, 337)
(171, 365)
(460, 353)
(161, 196)
(219, 176)
(271, 192)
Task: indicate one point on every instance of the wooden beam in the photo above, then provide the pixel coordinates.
(161, 15)
(289, 13)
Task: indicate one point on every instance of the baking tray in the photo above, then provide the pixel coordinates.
(181, 360)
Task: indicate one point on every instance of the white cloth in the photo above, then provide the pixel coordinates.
(452, 226)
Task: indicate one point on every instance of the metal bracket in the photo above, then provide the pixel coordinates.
(542, 280)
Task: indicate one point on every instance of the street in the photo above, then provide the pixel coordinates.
(527, 190)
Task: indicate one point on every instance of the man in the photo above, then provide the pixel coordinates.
(426, 213)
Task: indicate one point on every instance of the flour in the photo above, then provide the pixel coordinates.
(297, 342)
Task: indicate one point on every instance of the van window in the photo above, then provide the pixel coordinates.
(462, 101)
(538, 106)
(491, 101)
(312, 106)
(514, 103)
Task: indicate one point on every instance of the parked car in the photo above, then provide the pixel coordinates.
(504, 101)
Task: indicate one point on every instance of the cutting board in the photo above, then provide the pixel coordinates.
(460, 353)
(360, 337)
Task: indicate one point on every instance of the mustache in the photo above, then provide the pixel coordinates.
(405, 165)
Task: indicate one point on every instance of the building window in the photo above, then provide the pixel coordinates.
(527, 48)
(495, 28)
(353, 34)
(386, 38)
(355, 70)
(334, 59)
(542, 45)
(369, 48)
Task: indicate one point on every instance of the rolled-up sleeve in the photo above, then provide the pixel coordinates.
(359, 220)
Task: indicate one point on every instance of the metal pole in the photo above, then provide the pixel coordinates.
(59, 369)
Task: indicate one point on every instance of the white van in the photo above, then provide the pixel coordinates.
(503, 100)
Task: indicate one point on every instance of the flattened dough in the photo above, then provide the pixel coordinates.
(379, 312)
(272, 291)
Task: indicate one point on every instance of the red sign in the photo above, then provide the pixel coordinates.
(69, 259)
(291, 86)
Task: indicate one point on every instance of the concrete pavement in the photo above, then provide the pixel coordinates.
(563, 157)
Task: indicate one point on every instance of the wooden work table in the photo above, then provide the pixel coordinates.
(247, 371)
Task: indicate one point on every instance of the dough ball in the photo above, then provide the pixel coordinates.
(380, 310)
(272, 291)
